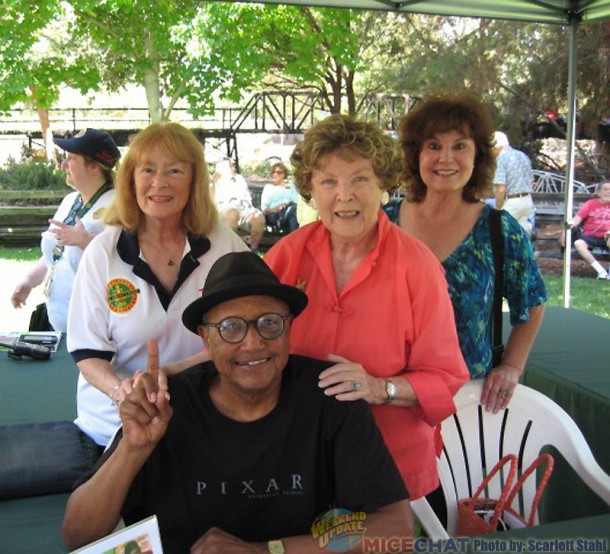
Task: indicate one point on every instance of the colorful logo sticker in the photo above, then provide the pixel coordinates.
(122, 295)
(99, 213)
(339, 529)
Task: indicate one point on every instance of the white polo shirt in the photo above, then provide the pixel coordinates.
(117, 306)
(64, 269)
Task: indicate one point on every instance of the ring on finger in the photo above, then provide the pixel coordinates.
(355, 385)
(503, 393)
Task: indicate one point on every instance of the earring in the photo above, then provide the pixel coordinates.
(385, 197)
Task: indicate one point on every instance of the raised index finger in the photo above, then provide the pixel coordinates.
(153, 359)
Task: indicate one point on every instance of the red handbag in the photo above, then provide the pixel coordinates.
(479, 515)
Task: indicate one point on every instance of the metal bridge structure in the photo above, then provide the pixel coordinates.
(263, 112)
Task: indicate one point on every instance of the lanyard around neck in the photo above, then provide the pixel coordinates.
(79, 209)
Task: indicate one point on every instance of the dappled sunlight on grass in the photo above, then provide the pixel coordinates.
(586, 294)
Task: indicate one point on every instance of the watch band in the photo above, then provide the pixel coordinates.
(275, 546)
(390, 391)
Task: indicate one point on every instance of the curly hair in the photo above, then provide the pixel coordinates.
(438, 113)
(199, 215)
(346, 136)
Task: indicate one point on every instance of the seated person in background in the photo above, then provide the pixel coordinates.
(234, 203)
(279, 200)
(250, 450)
(595, 219)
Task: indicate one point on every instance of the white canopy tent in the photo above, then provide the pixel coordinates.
(560, 12)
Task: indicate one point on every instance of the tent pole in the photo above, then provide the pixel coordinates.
(571, 142)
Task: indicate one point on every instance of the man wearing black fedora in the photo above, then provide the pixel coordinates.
(249, 451)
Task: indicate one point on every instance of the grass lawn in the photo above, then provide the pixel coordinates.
(587, 294)
(20, 254)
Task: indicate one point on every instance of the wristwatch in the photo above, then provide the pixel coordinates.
(275, 546)
(390, 391)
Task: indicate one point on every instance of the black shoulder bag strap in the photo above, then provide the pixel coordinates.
(497, 248)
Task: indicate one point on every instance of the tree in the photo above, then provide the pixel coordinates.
(37, 59)
(520, 69)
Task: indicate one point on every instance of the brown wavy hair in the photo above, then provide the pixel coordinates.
(441, 113)
(199, 216)
(346, 136)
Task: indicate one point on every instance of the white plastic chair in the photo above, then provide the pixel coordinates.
(474, 440)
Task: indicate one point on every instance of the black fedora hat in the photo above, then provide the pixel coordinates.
(240, 274)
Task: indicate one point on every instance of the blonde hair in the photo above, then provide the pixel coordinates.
(199, 216)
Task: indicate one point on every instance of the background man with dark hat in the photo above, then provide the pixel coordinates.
(91, 156)
(251, 451)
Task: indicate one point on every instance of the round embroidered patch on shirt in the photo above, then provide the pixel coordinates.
(122, 295)
(99, 213)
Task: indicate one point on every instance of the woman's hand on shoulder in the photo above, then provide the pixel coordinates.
(349, 381)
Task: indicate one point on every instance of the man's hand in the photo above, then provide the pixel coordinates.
(70, 235)
(146, 411)
(217, 541)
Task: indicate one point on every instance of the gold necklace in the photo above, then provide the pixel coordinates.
(170, 261)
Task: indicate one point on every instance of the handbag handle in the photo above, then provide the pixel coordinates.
(507, 489)
(550, 462)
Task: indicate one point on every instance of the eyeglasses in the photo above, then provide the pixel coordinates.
(234, 329)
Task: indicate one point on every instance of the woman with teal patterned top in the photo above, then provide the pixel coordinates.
(449, 166)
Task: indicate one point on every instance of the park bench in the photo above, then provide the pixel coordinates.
(22, 223)
(25, 214)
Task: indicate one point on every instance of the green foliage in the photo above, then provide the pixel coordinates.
(199, 52)
(38, 55)
(255, 170)
(32, 176)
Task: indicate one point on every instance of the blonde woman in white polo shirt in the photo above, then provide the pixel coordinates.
(137, 277)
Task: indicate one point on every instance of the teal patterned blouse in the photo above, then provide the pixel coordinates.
(470, 275)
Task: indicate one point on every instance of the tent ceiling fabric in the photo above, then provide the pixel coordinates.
(539, 11)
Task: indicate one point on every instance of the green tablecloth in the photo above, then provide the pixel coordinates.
(570, 363)
(35, 391)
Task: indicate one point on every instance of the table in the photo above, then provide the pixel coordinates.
(33, 391)
(570, 363)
